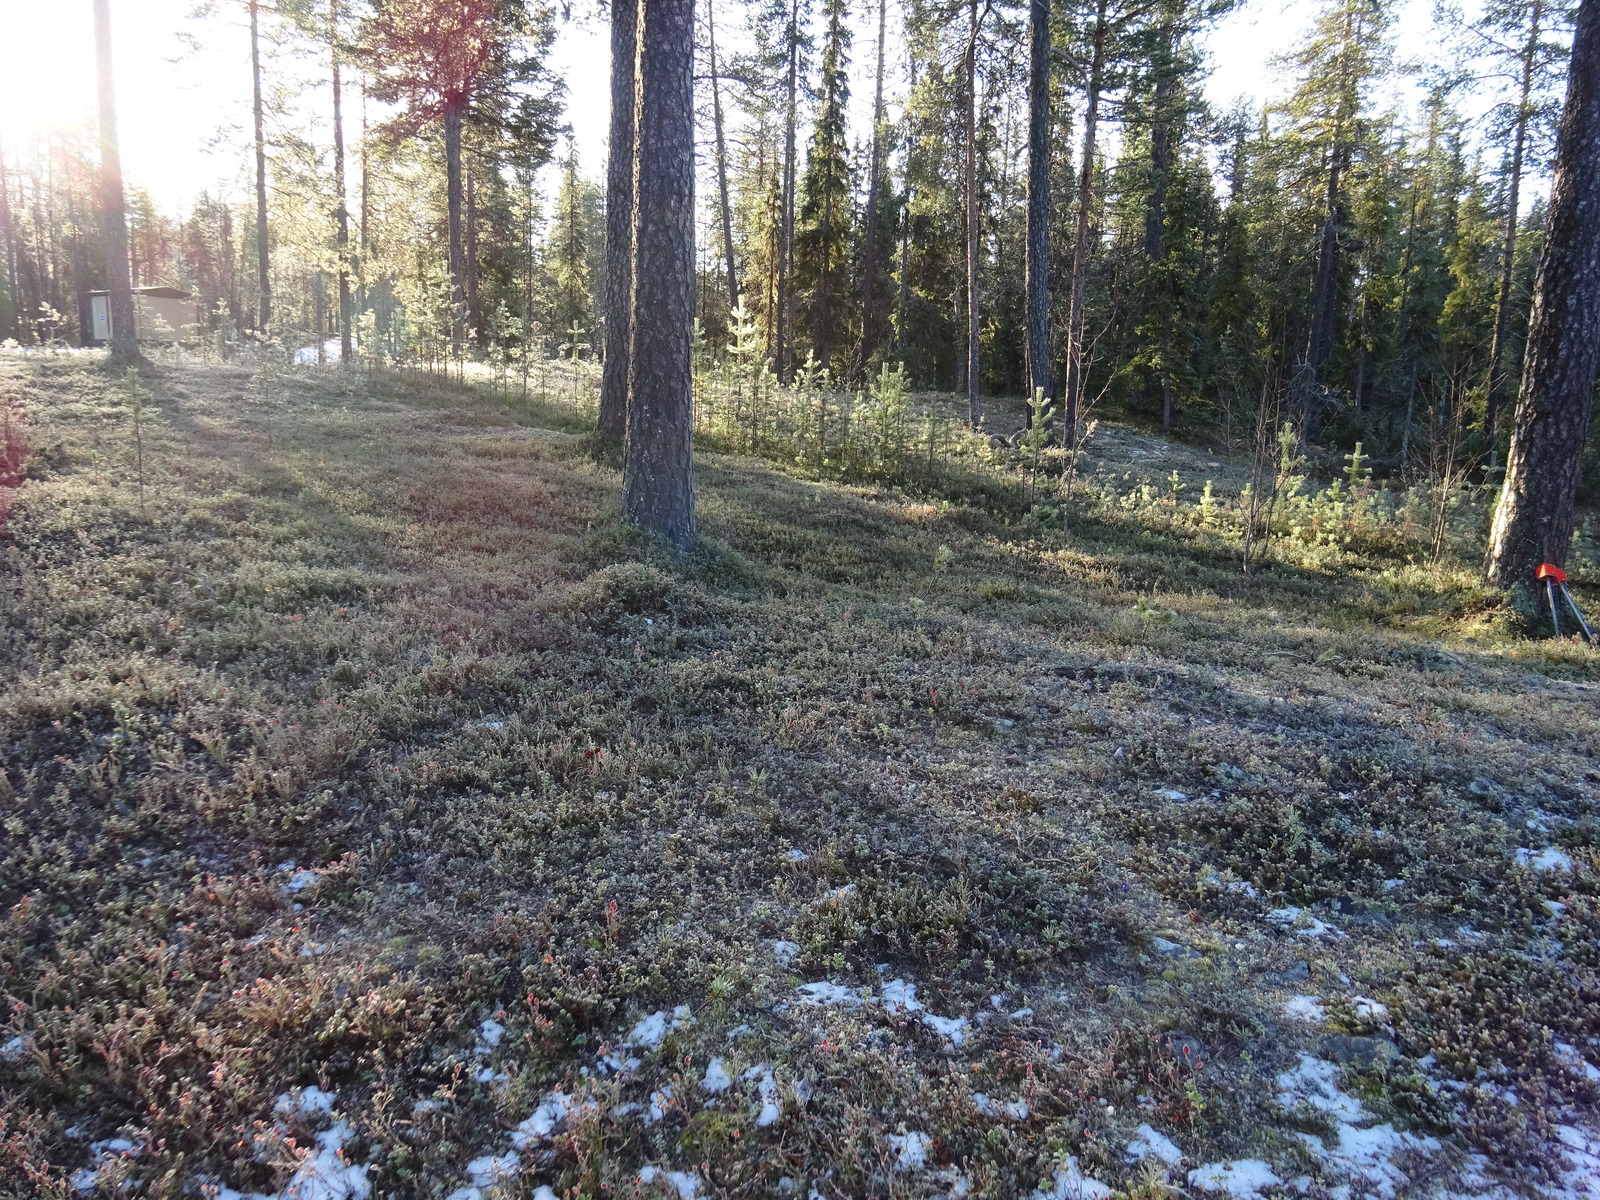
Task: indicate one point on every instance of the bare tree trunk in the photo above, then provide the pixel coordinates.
(113, 205)
(725, 208)
(1080, 241)
(658, 463)
(1162, 135)
(342, 215)
(1508, 247)
(263, 252)
(619, 223)
(869, 255)
(786, 217)
(974, 234)
(8, 234)
(1036, 248)
(1534, 519)
(470, 263)
(452, 176)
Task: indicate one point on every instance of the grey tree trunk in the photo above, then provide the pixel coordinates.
(786, 217)
(1080, 241)
(452, 184)
(658, 461)
(113, 205)
(1508, 245)
(1036, 247)
(1534, 518)
(470, 264)
(724, 206)
(974, 234)
(619, 224)
(263, 251)
(869, 255)
(342, 214)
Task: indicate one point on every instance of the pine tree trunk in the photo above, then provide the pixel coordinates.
(786, 216)
(1155, 218)
(1508, 245)
(725, 209)
(453, 190)
(974, 234)
(658, 463)
(1036, 248)
(8, 246)
(263, 251)
(619, 224)
(1534, 519)
(1080, 241)
(470, 263)
(869, 253)
(342, 215)
(113, 205)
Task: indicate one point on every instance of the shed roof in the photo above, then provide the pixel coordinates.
(158, 293)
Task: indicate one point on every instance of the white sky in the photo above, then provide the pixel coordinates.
(185, 112)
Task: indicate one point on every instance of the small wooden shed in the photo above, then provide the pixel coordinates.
(165, 314)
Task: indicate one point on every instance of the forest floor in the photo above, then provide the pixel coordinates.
(382, 818)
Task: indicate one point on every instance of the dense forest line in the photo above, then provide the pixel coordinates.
(1335, 258)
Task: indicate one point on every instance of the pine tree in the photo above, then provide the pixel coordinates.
(822, 234)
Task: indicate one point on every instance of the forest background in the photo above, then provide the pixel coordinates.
(1355, 250)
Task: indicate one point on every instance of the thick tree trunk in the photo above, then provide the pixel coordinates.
(869, 254)
(619, 223)
(113, 205)
(452, 185)
(974, 233)
(470, 263)
(725, 208)
(1534, 518)
(342, 214)
(1036, 247)
(1508, 244)
(786, 216)
(1080, 240)
(263, 251)
(658, 463)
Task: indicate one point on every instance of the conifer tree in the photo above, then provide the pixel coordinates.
(821, 244)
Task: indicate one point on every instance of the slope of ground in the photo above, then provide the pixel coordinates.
(381, 818)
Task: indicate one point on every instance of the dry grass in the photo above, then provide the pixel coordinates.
(395, 633)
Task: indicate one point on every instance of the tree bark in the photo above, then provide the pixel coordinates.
(725, 208)
(1508, 245)
(8, 234)
(342, 214)
(1080, 241)
(452, 176)
(786, 216)
(263, 253)
(869, 255)
(974, 348)
(1534, 519)
(658, 462)
(619, 223)
(470, 265)
(1036, 247)
(124, 333)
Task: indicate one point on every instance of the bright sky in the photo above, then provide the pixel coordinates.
(185, 108)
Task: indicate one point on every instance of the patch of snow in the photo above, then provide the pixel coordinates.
(900, 996)
(1556, 909)
(660, 1101)
(717, 1079)
(304, 1102)
(824, 992)
(1305, 1008)
(1548, 859)
(1303, 923)
(1574, 1059)
(425, 1106)
(544, 1192)
(796, 855)
(1390, 885)
(954, 1028)
(911, 1150)
(1021, 1013)
(787, 953)
(1371, 1010)
(649, 1031)
(300, 880)
(13, 1050)
(1242, 1179)
(325, 1175)
(1070, 1183)
(490, 1170)
(767, 1088)
(552, 1110)
(490, 1033)
(1148, 1142)
(685, 1183)
(490, 1076)
(1369, 1154)
(1313, 1081)
(1244, 888)
(1170, 794)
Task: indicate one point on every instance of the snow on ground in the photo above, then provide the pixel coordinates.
(1547, 859)
(910, 1149)
(1241, 1179)
(1303, 923)
(1305, 1008)
(717, 1078)
(897, 998)
(767, 1087)
(1149, 1143)
(686, 1183)
(1070, 1183)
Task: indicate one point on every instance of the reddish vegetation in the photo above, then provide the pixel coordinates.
(13, 452)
